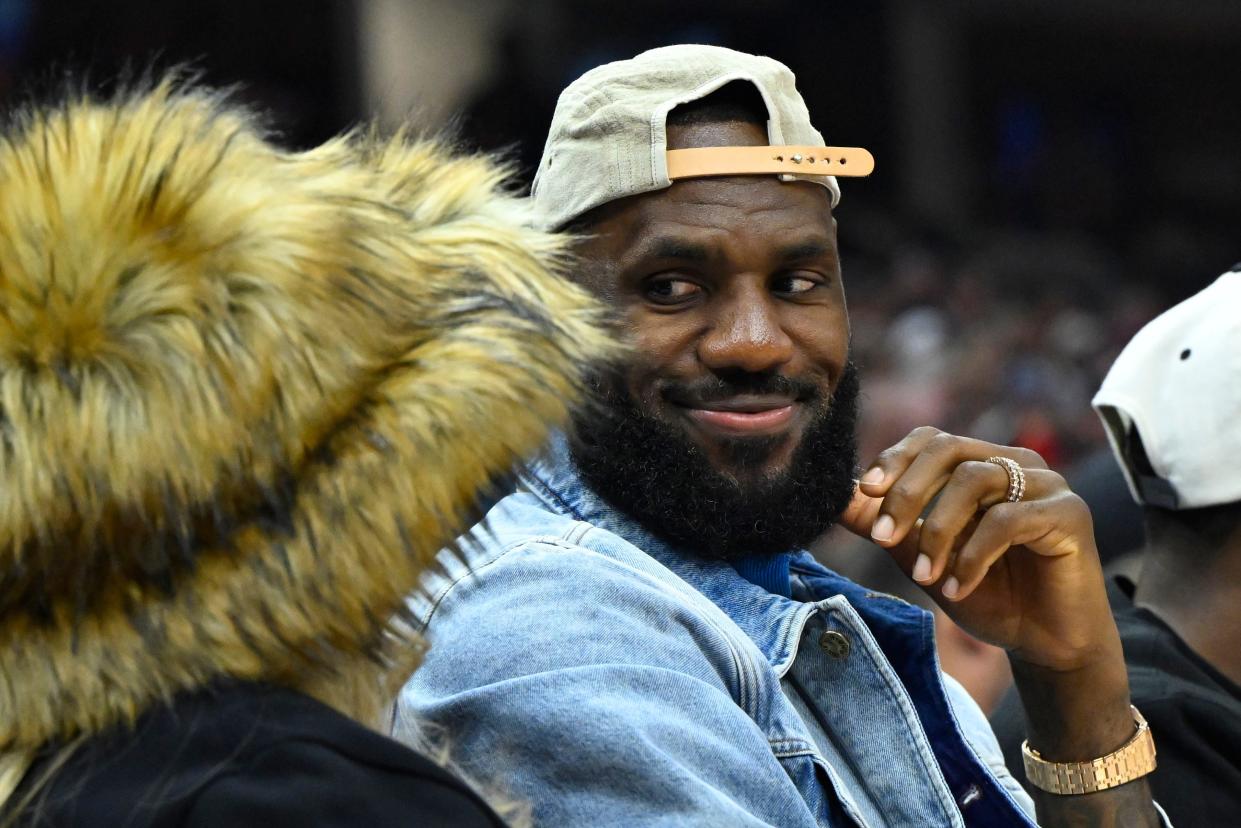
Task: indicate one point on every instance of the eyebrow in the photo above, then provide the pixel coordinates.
(810, 249)
(670, 247)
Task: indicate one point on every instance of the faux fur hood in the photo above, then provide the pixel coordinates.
(246, 395)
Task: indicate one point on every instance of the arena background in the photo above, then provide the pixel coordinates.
(1050, 173)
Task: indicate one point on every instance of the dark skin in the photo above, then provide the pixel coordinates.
(1194, 585)
(705, 291)
(740, 274)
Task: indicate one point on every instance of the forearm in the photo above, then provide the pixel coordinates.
(1078, 716)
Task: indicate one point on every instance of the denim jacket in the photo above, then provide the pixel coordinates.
(579, 663)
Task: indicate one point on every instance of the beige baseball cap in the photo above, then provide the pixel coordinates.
(1178, 385)
(608, 140)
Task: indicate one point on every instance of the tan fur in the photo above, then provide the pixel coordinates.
(245, 395)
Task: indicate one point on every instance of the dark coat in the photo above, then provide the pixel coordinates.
(251, 755)
(1194, 712)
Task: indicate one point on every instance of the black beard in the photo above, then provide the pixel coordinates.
(658, 476)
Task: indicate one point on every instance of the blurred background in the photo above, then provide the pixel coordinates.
(1050, 173)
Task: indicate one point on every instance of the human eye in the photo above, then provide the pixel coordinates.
(670, 290)
(796, 284)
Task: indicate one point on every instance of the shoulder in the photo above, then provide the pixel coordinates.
(529, 559)
(561, 595)
(247, 749)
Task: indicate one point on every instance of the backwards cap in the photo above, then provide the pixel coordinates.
(1178, 385)
(608, 139)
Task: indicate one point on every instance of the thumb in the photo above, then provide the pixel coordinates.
(859, 517)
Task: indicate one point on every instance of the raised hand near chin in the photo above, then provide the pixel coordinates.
(1008, 552)
(1023, 575)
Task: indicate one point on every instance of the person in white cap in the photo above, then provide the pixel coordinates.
(635, 637)
(1172, 408)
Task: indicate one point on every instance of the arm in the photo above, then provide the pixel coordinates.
(577, 684)
(1024, 576)
(1077, 716)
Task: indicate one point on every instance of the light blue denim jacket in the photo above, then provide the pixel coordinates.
(580, 664)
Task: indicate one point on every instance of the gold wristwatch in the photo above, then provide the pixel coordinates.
(1134, 759)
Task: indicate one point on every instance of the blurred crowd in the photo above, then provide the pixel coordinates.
(1007, 342)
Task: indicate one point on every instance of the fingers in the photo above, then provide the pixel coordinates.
(1039, 525)
(973, 487)
(859, 516)
(971, 524)
(911, 473)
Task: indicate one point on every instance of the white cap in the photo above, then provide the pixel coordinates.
(1178, 385)
(607, 138)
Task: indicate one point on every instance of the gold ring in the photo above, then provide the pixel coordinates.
(1016, 478)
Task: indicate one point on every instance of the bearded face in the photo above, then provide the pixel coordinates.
(658, 474)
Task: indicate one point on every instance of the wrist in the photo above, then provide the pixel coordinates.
(1075, 715)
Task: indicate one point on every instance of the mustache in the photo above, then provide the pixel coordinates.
(718, 388)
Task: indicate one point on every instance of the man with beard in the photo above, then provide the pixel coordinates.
(633, 637)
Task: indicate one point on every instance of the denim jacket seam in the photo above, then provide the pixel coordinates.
(788, 748)
(541, 489)
(791, 638)
(474, 568)
(898, 691)
(965, 740)
(745, 675)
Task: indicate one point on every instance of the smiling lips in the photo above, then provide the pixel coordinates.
(744, 415)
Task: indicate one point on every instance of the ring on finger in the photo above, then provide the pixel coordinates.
(1016, 478)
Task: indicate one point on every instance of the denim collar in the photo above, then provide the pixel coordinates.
(903, 632)
(765, 616)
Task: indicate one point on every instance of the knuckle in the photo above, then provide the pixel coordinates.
(935, 533)
(924, 433)
(943, 443)
(886, 456)
(900, 495)
(1003, 514)
(965, 562)
(974, 472)
(1029, 458)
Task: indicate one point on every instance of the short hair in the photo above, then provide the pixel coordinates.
(735, 102)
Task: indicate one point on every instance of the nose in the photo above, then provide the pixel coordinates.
(746, 335)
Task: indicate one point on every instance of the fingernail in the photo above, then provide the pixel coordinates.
(883, 528)
(951, 587)
(922, 568)
(873, 477)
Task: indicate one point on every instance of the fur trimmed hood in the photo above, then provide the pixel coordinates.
(246, 395)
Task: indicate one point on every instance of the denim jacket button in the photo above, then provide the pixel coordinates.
(835, 644)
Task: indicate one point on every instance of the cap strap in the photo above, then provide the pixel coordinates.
(705, 161)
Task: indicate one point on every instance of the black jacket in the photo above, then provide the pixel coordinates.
(1193, 710)
(251, 755)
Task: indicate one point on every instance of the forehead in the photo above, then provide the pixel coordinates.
(748, 211)
(728, 210)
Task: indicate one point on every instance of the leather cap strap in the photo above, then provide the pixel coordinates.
(796, 160)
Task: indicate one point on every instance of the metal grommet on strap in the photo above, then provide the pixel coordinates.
(1016, 478)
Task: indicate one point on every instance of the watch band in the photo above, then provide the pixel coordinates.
(799, 160)
(1134, 759)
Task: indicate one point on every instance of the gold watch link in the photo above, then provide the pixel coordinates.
(1132, 760)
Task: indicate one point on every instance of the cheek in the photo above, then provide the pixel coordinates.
(823, 339)
(662, 340)
(663, 348)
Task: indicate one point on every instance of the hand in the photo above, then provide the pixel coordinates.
(1024, 576)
